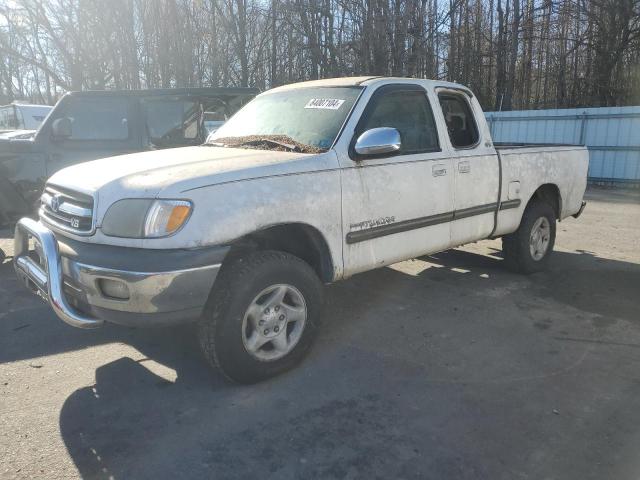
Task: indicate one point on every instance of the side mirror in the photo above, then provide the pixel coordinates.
(378, 141)
(61, 128)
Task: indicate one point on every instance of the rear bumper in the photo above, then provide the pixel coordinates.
(579, 212)
(88, 284)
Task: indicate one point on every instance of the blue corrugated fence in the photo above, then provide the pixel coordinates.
(612, 135)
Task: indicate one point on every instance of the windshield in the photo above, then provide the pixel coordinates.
(306, 118)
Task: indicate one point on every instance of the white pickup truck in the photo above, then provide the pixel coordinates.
(307, 184)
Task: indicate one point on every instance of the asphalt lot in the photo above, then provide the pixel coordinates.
(442, 367)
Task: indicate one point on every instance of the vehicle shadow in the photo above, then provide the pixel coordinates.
(580, 279)
(136, 423)
(29, 328)
(133, 410)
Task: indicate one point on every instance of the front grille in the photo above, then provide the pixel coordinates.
(66, 209)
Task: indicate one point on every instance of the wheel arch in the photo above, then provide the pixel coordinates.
(300, 239)
(549, 193)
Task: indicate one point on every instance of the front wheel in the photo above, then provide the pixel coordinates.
(262, 316)
(527, 250)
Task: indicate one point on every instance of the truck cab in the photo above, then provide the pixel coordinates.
(305, 185)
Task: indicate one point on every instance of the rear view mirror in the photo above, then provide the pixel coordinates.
(61, 128)
(378, 141)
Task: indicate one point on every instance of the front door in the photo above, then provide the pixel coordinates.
(398, 206)
(101, 126)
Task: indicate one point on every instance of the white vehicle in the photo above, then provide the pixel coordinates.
(19, 116)
(307, 184)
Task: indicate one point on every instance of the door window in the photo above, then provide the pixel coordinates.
(99, 119)
(408, 111)
(172, 122)
(461, 125)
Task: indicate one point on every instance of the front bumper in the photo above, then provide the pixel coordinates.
(154, 287)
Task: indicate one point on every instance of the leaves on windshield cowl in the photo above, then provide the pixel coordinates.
(279, 143)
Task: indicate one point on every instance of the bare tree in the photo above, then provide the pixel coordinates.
(513, 53)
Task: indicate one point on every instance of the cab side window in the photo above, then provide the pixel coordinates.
(99, 119)
(409, 112)
(461, 125)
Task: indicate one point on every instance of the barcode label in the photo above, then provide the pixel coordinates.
(325, 103)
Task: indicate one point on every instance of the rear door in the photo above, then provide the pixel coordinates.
(475, 167)
(396, 206)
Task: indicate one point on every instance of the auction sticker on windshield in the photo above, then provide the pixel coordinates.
(325, 103)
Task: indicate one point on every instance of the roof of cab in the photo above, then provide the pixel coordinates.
(327, 82)
(365, 81)
(199, 92)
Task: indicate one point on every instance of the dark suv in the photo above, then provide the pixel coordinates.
(95, 124)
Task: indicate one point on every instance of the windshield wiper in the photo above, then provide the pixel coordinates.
(288, 146)
(256, 142)
(282, 141)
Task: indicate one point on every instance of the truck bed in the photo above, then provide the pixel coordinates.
(526, 166)
(514, 145)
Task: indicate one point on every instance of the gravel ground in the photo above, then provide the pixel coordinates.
(440, 367)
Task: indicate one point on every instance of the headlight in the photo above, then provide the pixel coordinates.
(145, 218)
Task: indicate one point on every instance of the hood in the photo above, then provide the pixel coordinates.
(17, 134)
(18, 141)
(173, 172)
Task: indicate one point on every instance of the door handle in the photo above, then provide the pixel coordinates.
(438, 170)
(464, 167)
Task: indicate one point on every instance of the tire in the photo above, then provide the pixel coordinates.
(517, 246)
(229, 328)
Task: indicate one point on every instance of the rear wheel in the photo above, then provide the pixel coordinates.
(527, 250)
(262, 317)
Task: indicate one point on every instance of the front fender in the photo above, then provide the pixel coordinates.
(223, 213)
